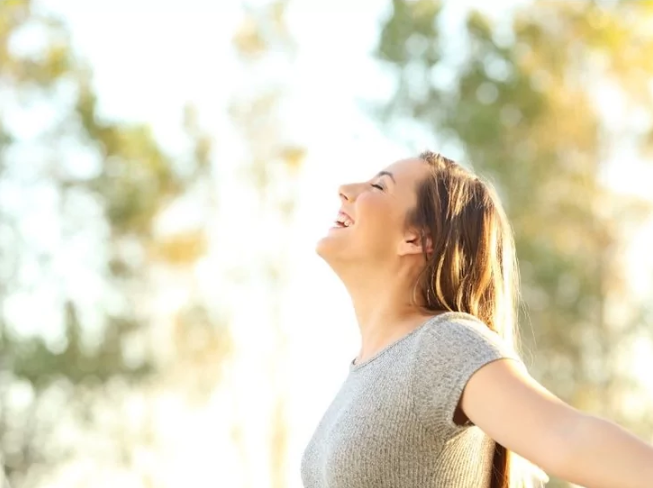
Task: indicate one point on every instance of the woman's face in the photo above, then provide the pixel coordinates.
(371, 223)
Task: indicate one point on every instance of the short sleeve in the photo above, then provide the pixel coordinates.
(448, 352)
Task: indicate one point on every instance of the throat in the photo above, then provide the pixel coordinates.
(377, 338)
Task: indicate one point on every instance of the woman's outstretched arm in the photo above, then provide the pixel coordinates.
(511, 407)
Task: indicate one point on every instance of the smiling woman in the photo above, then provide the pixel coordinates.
(437, 396)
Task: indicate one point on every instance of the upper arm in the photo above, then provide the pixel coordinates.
(512, 408)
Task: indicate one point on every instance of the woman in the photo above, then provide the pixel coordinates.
(427, 256)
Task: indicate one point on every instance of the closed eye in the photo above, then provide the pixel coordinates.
(376, 185)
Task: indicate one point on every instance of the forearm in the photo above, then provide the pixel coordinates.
(603, 455)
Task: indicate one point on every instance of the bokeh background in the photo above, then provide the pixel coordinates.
(166, 168)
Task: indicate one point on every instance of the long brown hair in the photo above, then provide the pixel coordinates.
(471, 266)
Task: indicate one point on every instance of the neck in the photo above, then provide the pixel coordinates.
(384, 306)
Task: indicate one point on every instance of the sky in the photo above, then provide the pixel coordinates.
(149, 59)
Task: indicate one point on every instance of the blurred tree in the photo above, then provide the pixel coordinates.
(80, 202)
(273, 163)
(524, 97)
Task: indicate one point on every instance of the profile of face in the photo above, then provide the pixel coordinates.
(370, 228)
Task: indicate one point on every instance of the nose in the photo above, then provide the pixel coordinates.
(345, 193)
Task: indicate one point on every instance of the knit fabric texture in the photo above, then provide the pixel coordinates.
(391, 424)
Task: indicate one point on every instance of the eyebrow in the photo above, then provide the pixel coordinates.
(387, 173)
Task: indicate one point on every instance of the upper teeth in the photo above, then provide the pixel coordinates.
(345, 221)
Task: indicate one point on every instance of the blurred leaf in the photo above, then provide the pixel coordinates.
(202, 345)
(293, 157)
(180, 249)
(249, 39)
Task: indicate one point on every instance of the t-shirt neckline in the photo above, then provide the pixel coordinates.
(353, 366)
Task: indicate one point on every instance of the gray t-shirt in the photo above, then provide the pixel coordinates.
(391, 424)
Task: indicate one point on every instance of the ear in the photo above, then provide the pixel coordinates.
(412, 244)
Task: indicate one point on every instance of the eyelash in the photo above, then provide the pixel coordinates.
(376, 185)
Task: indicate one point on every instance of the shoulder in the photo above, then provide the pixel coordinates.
(461, 333)
(450, 349)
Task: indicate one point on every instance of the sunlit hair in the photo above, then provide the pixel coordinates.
(471, 263)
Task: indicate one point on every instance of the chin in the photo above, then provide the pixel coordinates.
(322, 247)
(335, 248)
(328, 249)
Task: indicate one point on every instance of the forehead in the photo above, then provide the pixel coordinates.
(408, 171)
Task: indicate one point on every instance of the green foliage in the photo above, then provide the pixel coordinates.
(521, 100)
(92, 362)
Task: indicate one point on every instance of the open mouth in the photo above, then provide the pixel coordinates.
(343, 220)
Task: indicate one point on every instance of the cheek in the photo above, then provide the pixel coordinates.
(370, 209)
(375, 215)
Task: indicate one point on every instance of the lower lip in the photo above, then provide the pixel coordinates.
(337, 227)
